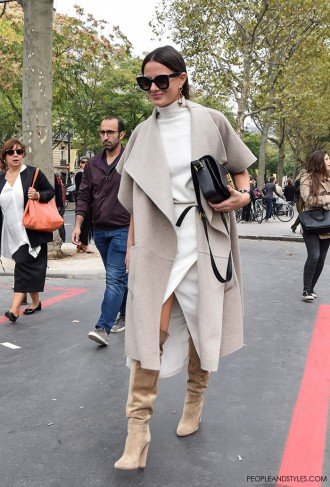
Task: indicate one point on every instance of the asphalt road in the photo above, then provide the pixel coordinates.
(62, 416)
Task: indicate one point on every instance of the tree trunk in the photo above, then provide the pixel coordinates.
(37, 84)
(242, 98)
(281, 153)
(37, 91)
(262, 152)
(280, 170)
(241, 114)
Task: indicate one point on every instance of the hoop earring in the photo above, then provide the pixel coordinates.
(180, 100)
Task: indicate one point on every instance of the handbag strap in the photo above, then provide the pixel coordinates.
(36, 172)
(204, 221)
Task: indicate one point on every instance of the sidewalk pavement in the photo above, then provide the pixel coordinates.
(271, 230)
(90, 266)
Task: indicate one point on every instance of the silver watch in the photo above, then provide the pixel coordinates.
(244, 191)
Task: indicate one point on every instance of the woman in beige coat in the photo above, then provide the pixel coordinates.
(315, 191)
(173, 295)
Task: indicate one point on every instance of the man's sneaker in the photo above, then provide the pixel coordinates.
(119, 325)
(307, 296)
(312, 293)
(99, 335)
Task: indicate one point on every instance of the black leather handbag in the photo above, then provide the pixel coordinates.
(315, 222)
(210, 178)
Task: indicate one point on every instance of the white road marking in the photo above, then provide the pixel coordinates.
(10, 345)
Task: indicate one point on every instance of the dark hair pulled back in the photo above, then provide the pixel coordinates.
(172, 59)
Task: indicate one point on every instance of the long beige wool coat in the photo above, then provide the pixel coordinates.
(145, 191)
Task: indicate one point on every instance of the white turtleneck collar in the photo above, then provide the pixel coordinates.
(172, 110)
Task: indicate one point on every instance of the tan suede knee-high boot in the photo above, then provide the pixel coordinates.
(142, 393)
(194, 400)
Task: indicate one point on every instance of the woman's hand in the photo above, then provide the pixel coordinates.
(33, 194)
(235, 201)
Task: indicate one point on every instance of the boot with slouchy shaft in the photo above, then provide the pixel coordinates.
(194, 400)
(142, 393)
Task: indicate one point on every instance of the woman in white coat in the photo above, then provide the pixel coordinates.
(173, 295)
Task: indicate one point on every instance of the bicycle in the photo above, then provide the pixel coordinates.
(238, 215)
(256, 212)
(281, 209)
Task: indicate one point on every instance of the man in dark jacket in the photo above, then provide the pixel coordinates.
(98, 193)
(268, 191)
(289, 192)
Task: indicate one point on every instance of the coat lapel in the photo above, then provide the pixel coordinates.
(2, 182)
(148, 167)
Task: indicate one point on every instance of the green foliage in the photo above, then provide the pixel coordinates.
(211, 100)
(93, 77)
(270, 56)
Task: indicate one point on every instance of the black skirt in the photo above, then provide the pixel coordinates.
(30, 272)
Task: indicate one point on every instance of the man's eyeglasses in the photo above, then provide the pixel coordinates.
(162, 81)
(11, 152)
(108, 132)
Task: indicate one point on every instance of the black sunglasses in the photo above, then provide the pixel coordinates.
(11, 152)
(162, 81)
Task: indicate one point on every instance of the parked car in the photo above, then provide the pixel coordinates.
(70, 193)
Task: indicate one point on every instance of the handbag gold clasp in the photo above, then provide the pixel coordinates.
(199, 165)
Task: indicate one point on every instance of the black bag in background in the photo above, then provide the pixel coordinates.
(315, 222)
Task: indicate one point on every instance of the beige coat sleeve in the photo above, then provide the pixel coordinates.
(239, 156)
(320, 200)
(125, 194)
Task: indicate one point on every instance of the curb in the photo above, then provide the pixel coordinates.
(97, 275)
(275, 238)
(63, 275)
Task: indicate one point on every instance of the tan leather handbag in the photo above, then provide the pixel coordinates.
(42, 217)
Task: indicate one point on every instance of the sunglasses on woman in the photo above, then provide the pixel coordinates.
(162, 81)
(11, 152)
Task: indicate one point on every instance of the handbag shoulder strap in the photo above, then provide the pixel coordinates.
(201, 212)
(36, 172)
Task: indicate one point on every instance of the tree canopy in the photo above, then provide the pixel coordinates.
(93, 77)
(249, 53)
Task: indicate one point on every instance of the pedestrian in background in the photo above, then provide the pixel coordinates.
(246, 214)
(165, 282)
(60, 199)
(98, 194)
(86, 227)
(268, 191)
(298, 199)
(315, 192)
(289, 192)
(28, 248)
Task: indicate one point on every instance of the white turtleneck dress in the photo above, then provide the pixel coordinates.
(175, 129)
